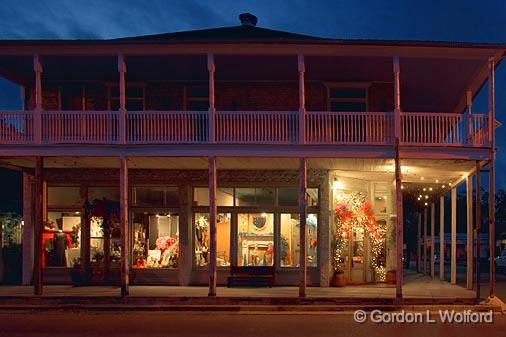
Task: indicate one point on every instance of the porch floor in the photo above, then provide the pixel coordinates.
(415, 286)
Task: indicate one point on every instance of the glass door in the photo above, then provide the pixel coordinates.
(255, 239)
(356, 253)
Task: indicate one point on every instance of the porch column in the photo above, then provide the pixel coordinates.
(123, 209)
(37, 113)
(469, 104)
(469, 236)
(491, 168)
(432, 230)
(302, 227)
(398, 180)
(453, 262)
(211, 68)
(478, 228)
(212, 226)
(302, 100)
(38, 225)
(28, 229)
(122, 99)
(419, 243)
(442, 238)
(425, 241)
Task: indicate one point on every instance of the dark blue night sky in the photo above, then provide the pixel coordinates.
(462, 20)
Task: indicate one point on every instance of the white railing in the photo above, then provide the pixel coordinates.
(162, 127)
(443, 129)
(368, 128)
(80, 127)
(257, 127)
(244, 127)
(16, 127)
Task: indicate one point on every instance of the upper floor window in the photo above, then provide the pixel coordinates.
(197, 98)
(347, 99)
(134, 97)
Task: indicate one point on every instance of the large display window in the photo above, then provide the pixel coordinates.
(62, 239)
(223, 223)
(289, 254)
(255, 239)
(155, 240)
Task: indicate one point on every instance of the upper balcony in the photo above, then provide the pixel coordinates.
(262, 95)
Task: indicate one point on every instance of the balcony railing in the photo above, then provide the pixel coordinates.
(257, 127)
(167, 127)
(80, 127)
(372, 128)
(243, 127)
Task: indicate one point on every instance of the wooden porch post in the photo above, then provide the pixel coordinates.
(122, 99)
(39, 225)
(469, 103)
(442, 238)
(478, 228)
(398, 180)
(469, 236)
(453, 261)
(123, 190)
(418, 243)
(37, 116)
(425, 222)
(302, 227)
(432, 230)
(491, 168)
(302, 99)
(212, 226)
(211, 68)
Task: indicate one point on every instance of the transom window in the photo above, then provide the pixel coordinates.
(347, 99)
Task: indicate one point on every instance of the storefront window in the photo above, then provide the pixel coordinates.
(97, 241)
(155, 240)
(255, 239)
(224, 196)
(155, 196)
(109, 193)
(62, 239)
(289, 241)
(222, 239)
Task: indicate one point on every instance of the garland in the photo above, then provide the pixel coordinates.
(354, 211)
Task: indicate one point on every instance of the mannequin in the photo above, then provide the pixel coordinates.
(60, 245)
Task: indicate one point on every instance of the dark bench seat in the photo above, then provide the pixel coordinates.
(251, 276)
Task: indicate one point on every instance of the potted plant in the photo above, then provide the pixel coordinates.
(76, 273)
(338, 279)
(390, 277)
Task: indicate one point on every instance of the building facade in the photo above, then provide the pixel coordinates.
(167, 159)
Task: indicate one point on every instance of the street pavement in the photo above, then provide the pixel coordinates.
(192, 324)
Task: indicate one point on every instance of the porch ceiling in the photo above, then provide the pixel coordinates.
(413, 170)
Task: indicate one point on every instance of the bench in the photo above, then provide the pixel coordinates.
(251, 276)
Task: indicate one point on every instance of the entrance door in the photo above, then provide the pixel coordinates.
(255, 239)
(356, 253)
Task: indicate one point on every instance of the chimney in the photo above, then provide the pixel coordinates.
(248, 19)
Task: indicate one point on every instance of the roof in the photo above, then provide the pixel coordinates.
(244, 33)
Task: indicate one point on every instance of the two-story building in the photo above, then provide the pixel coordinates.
(169, 158)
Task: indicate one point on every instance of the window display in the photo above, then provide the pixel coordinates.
(223, 221)
(62, 239)
(289, 240)
(155, 240)
(255, 239)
